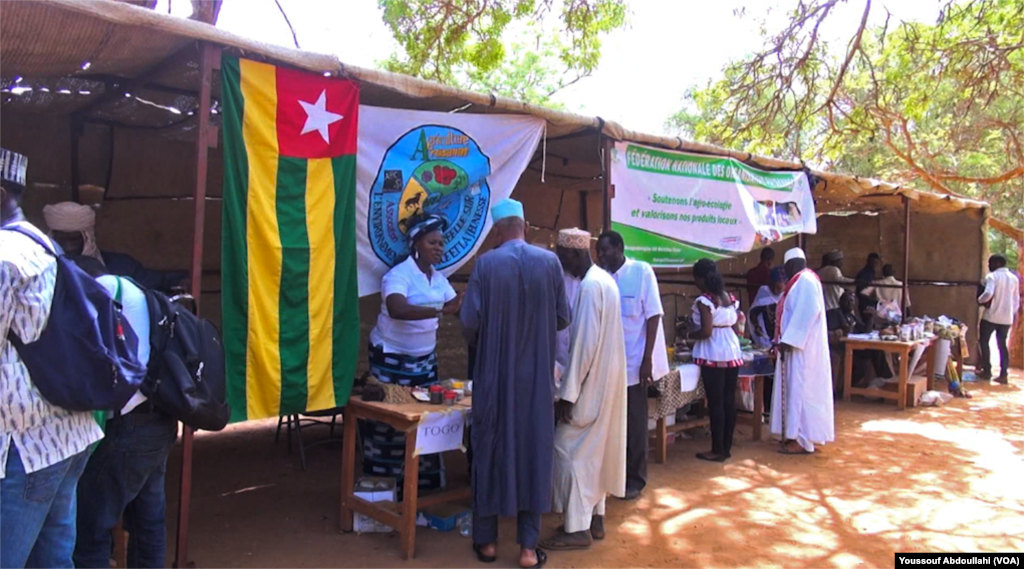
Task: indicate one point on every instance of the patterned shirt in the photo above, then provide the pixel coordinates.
(44, 434)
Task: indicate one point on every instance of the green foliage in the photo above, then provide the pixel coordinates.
(937, 106)
(998, 242)
(462, 43)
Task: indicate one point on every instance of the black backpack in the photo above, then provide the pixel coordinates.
(85, 359)
(185, 378)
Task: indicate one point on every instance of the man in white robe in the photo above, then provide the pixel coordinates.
(802, 412)
(590, 431)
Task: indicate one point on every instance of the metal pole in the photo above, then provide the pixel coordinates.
(76, 132)
(906, 251)
(208, 61)
(608, 188)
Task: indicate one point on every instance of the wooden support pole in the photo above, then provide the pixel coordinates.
(906, 251)
(1017, 332)
(608, 189)
(209, 61)
(584, 214)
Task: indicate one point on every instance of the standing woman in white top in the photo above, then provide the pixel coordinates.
(403, 345)
(717, 352)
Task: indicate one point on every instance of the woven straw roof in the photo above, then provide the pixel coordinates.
(48, 43)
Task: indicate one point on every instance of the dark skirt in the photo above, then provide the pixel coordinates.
(383, 446)
(401, 369)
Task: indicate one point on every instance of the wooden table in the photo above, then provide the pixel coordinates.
(901, 348)
(670, 398)
(662, 428)
(405, 417)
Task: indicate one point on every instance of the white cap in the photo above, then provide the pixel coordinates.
(574, 238)
(795, 253)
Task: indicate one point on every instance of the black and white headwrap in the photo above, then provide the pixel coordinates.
(426, 225)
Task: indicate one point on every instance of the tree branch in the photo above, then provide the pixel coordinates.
(295, 38)
(854, 46)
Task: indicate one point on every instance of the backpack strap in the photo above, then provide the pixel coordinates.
(33, 234)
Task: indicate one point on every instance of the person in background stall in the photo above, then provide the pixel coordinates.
(762, 310)
(840, 323)
(762, 323)
(403, 345)
(1001, 299)
(845, 320)
(887, 293)
(802, 407)
(832, 279)
(864, 278)
(73, 227)
(590, 432)
(125, 475)
(515, 303)
(717, 351)
(43, 448)
(646, 355)
(760, 275)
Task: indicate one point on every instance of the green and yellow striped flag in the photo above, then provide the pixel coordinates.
(290, 300)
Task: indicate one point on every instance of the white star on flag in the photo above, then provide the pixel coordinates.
(318, 118)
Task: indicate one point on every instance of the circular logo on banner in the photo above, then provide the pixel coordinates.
(436, 170)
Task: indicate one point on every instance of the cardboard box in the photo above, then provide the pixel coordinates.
(916, 386)
(442, 517)
(374, 489)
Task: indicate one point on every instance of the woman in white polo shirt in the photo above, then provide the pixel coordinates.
(403, 345)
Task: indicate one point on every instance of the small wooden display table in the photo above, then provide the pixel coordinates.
(901, 348)
(401, 517)
(671, 398)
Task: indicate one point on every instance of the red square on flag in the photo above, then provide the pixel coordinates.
(317, 116)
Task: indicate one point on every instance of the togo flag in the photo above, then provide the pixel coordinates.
(290, 300)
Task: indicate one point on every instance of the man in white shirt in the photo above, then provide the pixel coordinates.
(832, 279)
(646, 356)
(126, 473)
(43, 448)
(887, 293)
(1001, 300)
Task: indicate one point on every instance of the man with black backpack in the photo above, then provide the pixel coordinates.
(125, 474)
(42, 446)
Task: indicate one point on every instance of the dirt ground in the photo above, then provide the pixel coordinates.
(927, 479)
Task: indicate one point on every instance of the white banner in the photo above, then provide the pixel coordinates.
(441, 431)
(672, 208)
(454, 165)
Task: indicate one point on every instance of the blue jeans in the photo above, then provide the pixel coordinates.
(126, 476)
(37, 513)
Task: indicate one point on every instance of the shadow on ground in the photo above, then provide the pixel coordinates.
(926, 479)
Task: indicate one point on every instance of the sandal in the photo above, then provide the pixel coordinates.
(478, 549)
(786, 450)
(542, 558)
(558, 543)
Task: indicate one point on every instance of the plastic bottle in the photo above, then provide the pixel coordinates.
(466, 525)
